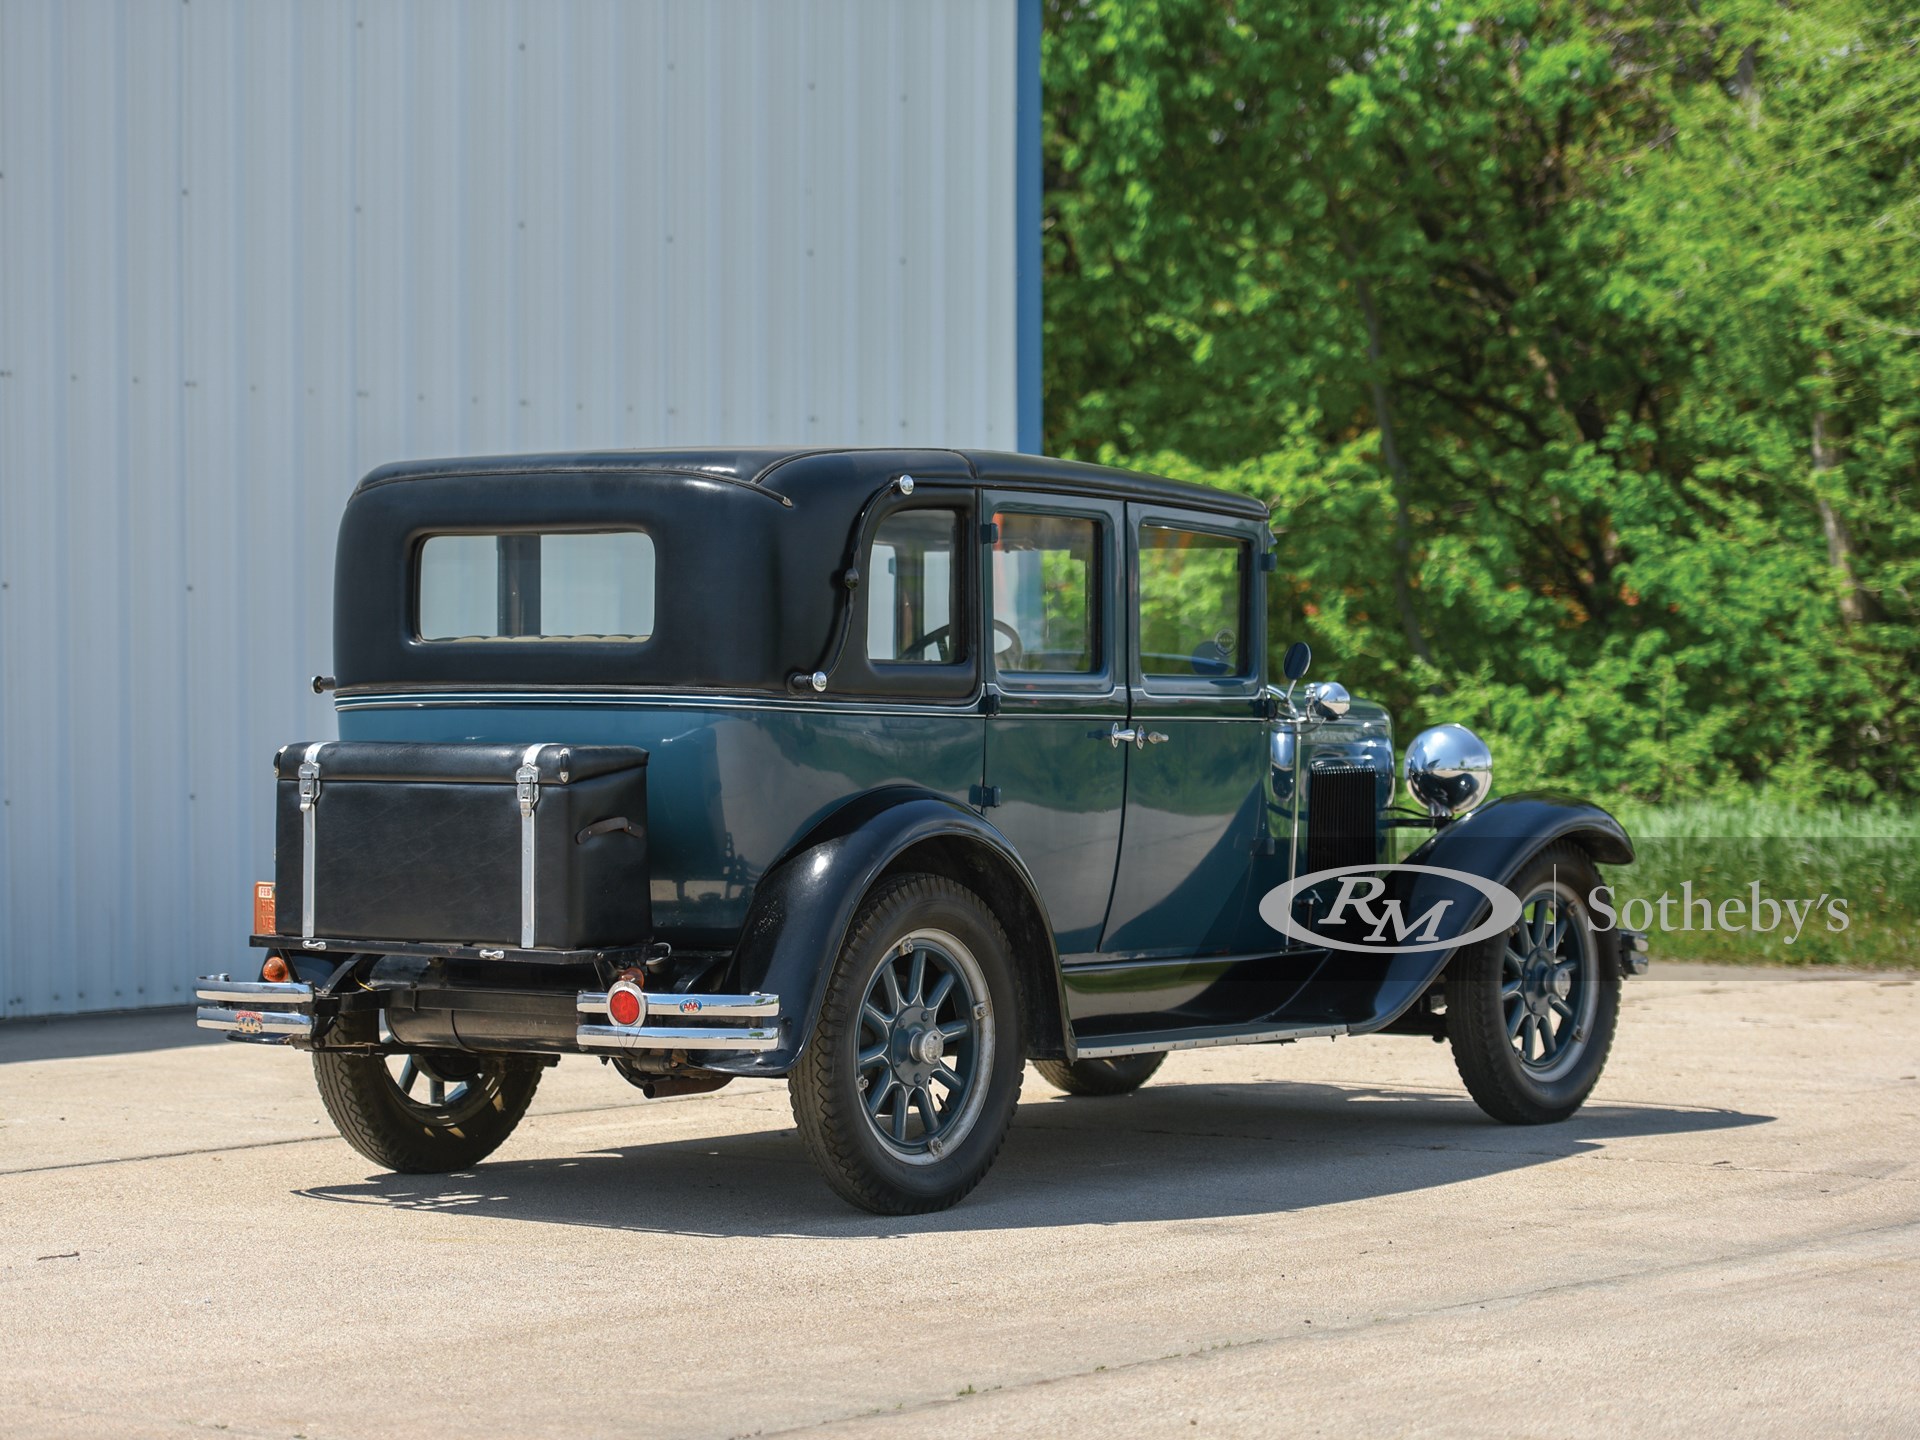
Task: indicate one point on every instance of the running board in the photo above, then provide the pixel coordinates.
(1109, 1047)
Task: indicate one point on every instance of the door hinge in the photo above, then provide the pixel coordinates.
(990, 532)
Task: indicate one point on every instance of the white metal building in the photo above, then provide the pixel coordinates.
(249, 250)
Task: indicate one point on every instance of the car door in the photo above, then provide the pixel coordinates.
(1057, 664)
(1196, 785)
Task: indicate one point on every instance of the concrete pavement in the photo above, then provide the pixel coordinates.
(1323, 1238)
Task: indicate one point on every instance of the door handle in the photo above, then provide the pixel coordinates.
(1123, 735)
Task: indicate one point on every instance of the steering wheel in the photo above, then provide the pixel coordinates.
(1014, 652)
(942, 635)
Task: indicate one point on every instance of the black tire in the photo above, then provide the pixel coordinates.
(855, 1088)
(1100, 1077)
(1495, 986)
(482, 1099)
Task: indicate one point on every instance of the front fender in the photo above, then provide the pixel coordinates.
(1494, 841)
(804, 906)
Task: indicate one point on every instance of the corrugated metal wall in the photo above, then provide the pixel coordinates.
(250, 250)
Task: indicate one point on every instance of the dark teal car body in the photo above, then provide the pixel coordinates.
(1045, 682)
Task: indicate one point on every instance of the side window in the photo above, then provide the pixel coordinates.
(1046, 580)
(1193, 603)
(911, 585)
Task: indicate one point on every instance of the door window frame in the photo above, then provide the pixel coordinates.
(1253, 620)
(1109, 620)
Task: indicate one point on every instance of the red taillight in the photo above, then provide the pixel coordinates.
(626, 1003)
(275, 970)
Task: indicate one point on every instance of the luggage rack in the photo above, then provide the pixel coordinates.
(621, 955)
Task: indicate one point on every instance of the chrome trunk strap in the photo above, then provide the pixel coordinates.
(526, 782)
(309, 819)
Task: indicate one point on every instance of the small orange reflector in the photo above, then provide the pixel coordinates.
(275, 970)
(263, 914)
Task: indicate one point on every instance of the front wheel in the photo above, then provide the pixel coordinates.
(1531, 1012)
(424, 1114)
(904, 1093)
(1100, 1077)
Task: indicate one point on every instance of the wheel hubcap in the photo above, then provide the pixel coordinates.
(925, 1043)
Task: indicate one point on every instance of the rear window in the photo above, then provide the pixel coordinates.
(568, 586)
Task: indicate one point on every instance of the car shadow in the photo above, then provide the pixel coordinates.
(113, 1032)
(1169, 1152)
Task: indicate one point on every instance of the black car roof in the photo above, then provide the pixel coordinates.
(866, 468)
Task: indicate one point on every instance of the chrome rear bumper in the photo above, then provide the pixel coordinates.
(245, 1009)
(270, 1013)
(681, 1036)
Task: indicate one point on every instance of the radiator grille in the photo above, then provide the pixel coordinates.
(1340, 818)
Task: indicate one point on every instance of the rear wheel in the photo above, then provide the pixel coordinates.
(1100, 1077)
(1531, 1012)
(424, 1114)
(904, 1093)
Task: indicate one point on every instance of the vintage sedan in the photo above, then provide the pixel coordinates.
(885, 772)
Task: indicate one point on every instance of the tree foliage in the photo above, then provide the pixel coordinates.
(1576, 345)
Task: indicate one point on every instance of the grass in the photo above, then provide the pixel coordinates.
(1853, 870)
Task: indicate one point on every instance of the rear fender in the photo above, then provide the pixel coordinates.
(804, 906)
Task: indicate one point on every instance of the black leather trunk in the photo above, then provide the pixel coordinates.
(429, 842)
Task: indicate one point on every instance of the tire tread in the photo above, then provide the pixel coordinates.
(820, 1110)
(1100, 1077)
(1477, 1036)
(356, 1091)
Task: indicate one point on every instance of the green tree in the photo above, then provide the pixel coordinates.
(1578, 366)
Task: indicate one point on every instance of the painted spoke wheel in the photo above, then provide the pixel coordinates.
(926, 1026)
(1549, 981)
(1531, 1012)
(904, 1090)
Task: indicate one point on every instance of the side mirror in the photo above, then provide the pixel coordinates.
(1298, 657)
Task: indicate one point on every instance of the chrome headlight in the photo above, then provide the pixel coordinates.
(1449, 770)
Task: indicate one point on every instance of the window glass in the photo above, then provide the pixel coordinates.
(537, 587)
(910, 585)
(1046, 575)
(1192, 603)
